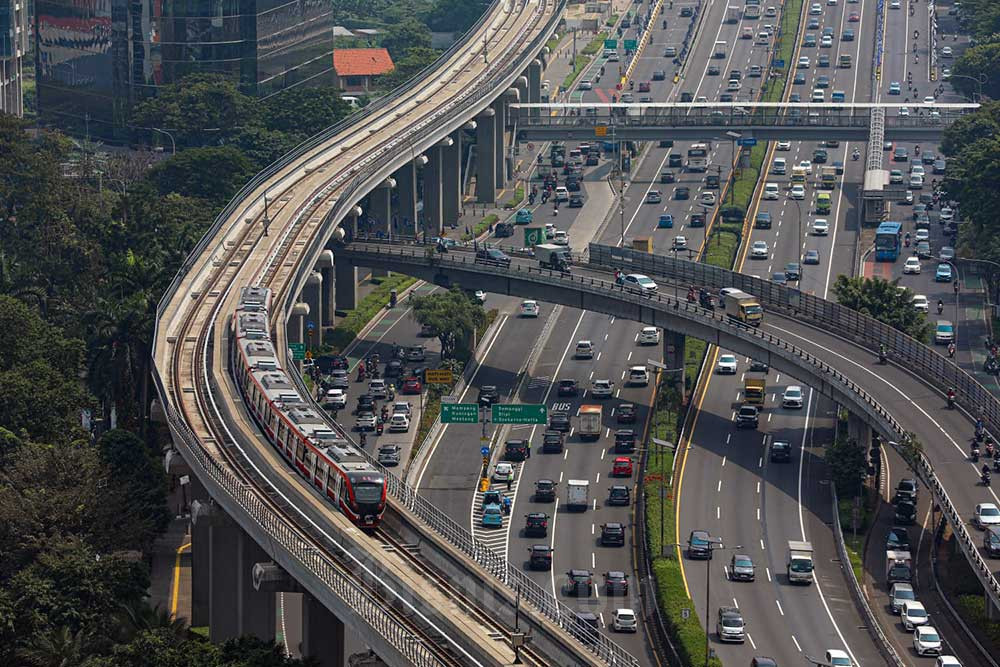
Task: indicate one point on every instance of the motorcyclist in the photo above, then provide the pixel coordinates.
(956, 288)
(506, 504)
(881, 353)
(906, 242)
(856, 154)
(975, 453)
(940, 306)
(986, 474)
(916, 149)
(951, 397)
(989, 447)
(951, 350)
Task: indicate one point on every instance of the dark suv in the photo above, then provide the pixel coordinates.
(366, 403)
(906, 490)
(747, 417)
(536, 524)
(545, 491)
(700, 545)
(898, 539)
(580, 583)
(567, 388)
(612, 535)
(516, 450)
(624, 441)
(625, 414)
(559, 421)
(991, 541)
(489, 395)
(540, 557)
(781, 451)
(552, 442)
(492, 256)
(615, 583)
(619, 495)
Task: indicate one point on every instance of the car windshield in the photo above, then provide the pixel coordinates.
(905, 594)
(744, 562)
(916, 613)
(990, 511)
(368, 493)
(799, 565)
(929, 636)
(731, 622)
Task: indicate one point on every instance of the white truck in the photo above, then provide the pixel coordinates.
(590, 422)
(720, 50)
(577, 494)
(733, 14)
(898, 567)
(552, 256)
(800, 562)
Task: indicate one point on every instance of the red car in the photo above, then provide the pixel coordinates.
(412, 385)
(622, 467)
(644, 87)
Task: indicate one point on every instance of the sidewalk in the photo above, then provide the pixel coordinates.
(973, 329)
(170, 570)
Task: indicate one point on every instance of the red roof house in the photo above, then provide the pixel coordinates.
(356, 69)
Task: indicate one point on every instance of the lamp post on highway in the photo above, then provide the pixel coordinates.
(733, 137)
(713, 546)
(978, 80)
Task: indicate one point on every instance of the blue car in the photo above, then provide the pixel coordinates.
(666, 221)
(943, 273)
(523, 217)
(492, 516)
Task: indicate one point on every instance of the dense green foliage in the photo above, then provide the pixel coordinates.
(981, 18)
(883, 300)
(848, 465)
(455, 315)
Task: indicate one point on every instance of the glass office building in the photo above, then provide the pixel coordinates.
(13, 45)
(97, 58)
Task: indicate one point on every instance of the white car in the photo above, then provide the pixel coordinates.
(365, 422)
(916, 182)
(895, 4)
(826, 42)
(378, 389)
(640, 282)
(759, 250)
(946, 52)
(529, 309)
(638, 376)
(987, 515)
(550, 230)
(602, 388)
(503, 472)
(903, 111)
(624, 621)
(947, 661)
(402, 408)
(920, 303)
(649, 336)
(837, 658)
(913, 615)
(821, 227)
(584, 350)
(792, 397)
(727, 364)
(922, 235)
(947, 214)
(807, 165)
(480, 296)
(798, 191)
(680, 242)
(399, 423)
(926, 641)
(815, 9)
(918, 169)
(911, 265)
(771, 191)
(930, 99)
(803, 62)
(784, 146)
(335, 399)
(560, 238)
(708, 198)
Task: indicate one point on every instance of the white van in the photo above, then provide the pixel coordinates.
(562, 194)
(779, 166)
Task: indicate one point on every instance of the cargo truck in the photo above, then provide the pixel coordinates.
(897, 567)
(552, 256)
(732, 14)
(828, 178)
(590, 422)
(800, 562)
(754, 387)
(720, 50)
(577, 494)
(751, 12)
(742, 307)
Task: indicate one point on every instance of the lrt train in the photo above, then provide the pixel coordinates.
(303, 436)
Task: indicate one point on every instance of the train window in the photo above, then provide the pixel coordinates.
(282, 432)
(298, 449)
(326, 477)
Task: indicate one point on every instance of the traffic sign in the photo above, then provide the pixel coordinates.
(519, 413)
(310, 325)
(533, 236)
(630, 44)
(601, 131)
(747, 141)
(778, 62)
(438, 376)
(611, 43)
(485, 451)
(448, 398)
(298, 351)
(459, 413)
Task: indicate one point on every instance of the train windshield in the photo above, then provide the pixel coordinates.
(368, 494)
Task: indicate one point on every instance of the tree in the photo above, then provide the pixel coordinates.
(884, 301)
(456, 15)
(975, 62)
(214, 174)
(454, 315)
(984, 123)
(982, 18)
(138, 473)
(301, 111)
(848, 466)
(404, 35)
(196, 110)
(415, 60)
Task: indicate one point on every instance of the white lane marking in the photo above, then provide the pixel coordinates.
(796, 643)
(723, 463)
(750, 639)
(729, 437)
(593, 562)
(597, 481)
(552, 541)
(719, 488)
(782, 611)
(718, 512)
(767, 571)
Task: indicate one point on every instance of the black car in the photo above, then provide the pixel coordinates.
(667, 176)
(586, 628)
(567, 388)
(516, 450)
(741, 568)
(682, 192)
(559, 421)
(906, 489)
(624, 441)
(759, 367)
(540, 557)
(939, 167)
(898, 539)
(712, 181)
(686, 97)
(659, 75)
(615, 583)
(687, 11)
(492, 256)
(697, 220)
(572, 185)
(366, 403)
(625, 414)
(619, 495)
(781, 451)
(762, 220)
(700, 545)
(488, 395)
(545, 491)
(576, 201)
(991, 541)
(329, 362)
(612, 535)
(713, 70)
(819, 156)
(666, 143)
(675, 159)
(726, 97)
(747, 417)
(536, 524)
(906, 512)
(552, 442)
(394, 368)
(579, 583)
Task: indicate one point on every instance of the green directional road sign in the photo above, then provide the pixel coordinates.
(298, 351)
(631, 44)
(459, 413)
(611, 43)
(527, 413)
(533, 236)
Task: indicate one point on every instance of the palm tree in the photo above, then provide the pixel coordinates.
(139, 617)
(60, 647)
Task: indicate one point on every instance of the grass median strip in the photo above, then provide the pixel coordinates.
(481, 227)
(355, 320)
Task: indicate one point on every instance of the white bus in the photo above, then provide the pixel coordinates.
(698, 157)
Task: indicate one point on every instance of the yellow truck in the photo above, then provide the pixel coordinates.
(590, 422)
(828, 178)
(754, 387)
(741, 306)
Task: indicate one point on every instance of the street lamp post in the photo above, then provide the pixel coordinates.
(713, 546)
(978, 80)
(733, 137)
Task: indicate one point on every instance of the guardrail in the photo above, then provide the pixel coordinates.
(861, 330)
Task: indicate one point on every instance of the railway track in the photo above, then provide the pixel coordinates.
(249, 251)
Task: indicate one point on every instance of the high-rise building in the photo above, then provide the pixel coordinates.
(13, 45)
(97, 58)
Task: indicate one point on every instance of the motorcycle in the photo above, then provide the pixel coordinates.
(951, 401)
(975, 455)
(856, 155)
(361, 373)
(989, 449)
(985, 477)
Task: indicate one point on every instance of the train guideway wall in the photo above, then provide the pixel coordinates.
(794, 309)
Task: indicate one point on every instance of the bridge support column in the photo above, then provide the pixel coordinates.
(486, 169)
(296, 330)
(325, 266)
(521, 85)
(500, 138)
(451, 180)
(345, 284)
(859, 430)
(312, 294)
(535, 84)
(434, 186)
(406, 191)
(322, 634)
(380, 213)
(235, 607)
(673, 357)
